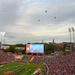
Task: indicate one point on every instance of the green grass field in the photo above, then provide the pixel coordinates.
(29, 68)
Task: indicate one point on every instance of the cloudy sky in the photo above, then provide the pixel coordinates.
(33, 20)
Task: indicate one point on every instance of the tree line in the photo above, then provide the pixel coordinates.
(48, 48)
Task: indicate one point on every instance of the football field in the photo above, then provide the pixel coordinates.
(18, 68)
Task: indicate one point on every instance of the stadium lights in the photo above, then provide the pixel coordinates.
(72, 30)
(2, 36)
(73, 38)
(70, 33)
(73, 33)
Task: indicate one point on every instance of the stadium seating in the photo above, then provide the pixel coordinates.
(6, 57)
(58, 65)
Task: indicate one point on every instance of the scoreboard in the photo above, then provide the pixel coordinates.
(34, 48)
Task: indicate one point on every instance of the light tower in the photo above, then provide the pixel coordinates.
(4, 37)
(70, 40)
(72, 43)
(2, 34)
(73, 38)
(73, 33)
(70, 34)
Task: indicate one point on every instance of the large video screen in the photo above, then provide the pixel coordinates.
(34, 48)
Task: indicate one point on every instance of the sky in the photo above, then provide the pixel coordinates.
(30, 21)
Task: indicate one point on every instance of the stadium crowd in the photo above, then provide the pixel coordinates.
(58, 65)
(6, 57)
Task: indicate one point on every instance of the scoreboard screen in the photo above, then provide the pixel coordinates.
(34, 48)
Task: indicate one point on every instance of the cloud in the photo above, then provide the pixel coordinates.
(19, 19)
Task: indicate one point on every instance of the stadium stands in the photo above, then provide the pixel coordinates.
(6, 57)
(58, 65)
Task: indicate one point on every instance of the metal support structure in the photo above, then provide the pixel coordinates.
(72, 44)
(2, 35)
(73, 39)
(70, 39)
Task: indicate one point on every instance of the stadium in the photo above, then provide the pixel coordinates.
(37, 37)
(30, 64)
(22, 64)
